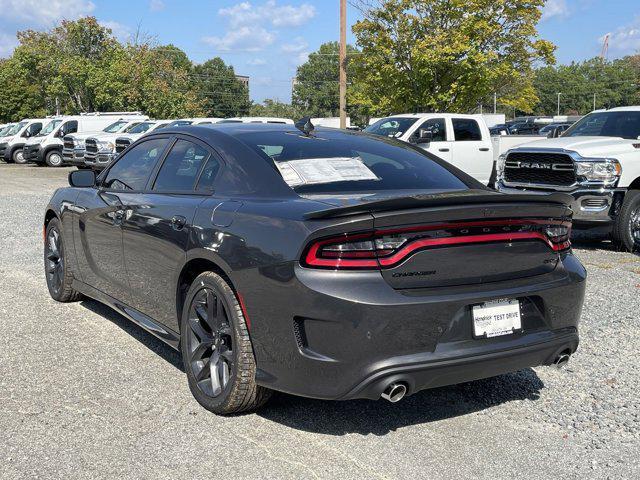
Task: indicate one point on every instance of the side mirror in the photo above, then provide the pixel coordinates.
(26, 134)
(425, 136)
(82, 178)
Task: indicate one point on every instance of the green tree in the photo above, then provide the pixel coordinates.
(608, 83)
(447, 55)
(275, 108)
(316, 87)
(218, 92)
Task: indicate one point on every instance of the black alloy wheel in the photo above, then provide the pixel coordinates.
(216, 348)
(57, 273)
(54, 261)
(210, 342)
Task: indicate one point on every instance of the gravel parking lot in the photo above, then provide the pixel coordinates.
(86, 394)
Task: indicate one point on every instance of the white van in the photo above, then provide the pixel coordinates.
(47, 146)
(11, 145)
(73, 144)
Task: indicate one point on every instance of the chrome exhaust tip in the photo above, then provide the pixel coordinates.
(394, 392)
(561, 361)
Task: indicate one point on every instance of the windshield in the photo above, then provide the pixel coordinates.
(332, 162)
(51, 126)
(16, 128)
(116, 127)
(5, 130)
(607, 124)
(391, 127)
(140, 127)
(180, 123)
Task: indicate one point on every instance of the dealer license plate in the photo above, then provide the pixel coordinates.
(499, 317)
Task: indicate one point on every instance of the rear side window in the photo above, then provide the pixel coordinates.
(332, 162)
(466, 130)
(181, 167)
(208, 176)
(132, 170)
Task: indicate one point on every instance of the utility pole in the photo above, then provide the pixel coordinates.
(559, 103)
(495, 103)
(343, 64)
(594, 101)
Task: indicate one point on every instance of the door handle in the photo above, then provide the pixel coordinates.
(178, 222)
(443, 149)
(484, 149)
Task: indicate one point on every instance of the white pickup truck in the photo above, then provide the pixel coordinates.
(597, 161)
(462, 140)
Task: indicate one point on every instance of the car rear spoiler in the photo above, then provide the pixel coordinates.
(469, 197)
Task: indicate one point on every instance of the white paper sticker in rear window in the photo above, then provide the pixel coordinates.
(324, 170)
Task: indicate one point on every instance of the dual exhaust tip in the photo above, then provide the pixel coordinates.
(396, 391)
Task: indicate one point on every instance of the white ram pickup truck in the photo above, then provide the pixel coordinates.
(462, 140)
(597, 161)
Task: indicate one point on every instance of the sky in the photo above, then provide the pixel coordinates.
(268, 39)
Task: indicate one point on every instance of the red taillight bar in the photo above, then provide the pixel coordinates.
(369, 259)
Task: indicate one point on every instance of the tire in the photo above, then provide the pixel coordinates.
(18, 157)
(213, 329)
(54, 158)
(626, 230)
(58, 275)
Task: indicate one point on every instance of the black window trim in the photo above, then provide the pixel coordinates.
(105, 172)
(173, 138)
(154, 175)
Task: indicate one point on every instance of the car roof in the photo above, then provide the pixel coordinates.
(631, 108)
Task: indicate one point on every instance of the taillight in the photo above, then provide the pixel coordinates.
(389, 248)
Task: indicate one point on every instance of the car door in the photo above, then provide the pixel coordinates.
(471, 150)
(440, 144)
(158, 226)
(101, 213)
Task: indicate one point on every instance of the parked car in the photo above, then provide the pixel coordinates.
(597, 162)
(123, 141)
(319, 262)
(11, 145)
(115, 122)
(524, 129)
(462, 140)
(554, 130)
(101, 149)
(5, 129)
(500, 129)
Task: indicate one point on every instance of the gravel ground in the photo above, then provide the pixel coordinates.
(84, 393)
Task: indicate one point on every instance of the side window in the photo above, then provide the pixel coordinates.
(32, 130)
(70, 127)
(181, 167)
(437, 127)
(466, 130)
(132, 171)
(208, 176)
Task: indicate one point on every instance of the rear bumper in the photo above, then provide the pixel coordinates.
(590, 206)
(33, 153)
(346, 335)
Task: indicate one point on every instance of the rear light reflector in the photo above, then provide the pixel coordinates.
(388, 248)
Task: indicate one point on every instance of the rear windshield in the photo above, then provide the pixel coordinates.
(607, 124)
(330, 162)
(391, 127)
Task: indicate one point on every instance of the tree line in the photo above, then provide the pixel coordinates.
(410, 56)
(79, 66)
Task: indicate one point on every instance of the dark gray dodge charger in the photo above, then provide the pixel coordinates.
(323, 263)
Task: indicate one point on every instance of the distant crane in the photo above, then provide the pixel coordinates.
(605, 47)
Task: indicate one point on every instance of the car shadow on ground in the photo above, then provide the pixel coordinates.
(366, 417)
(363, 417)
(152, 343)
